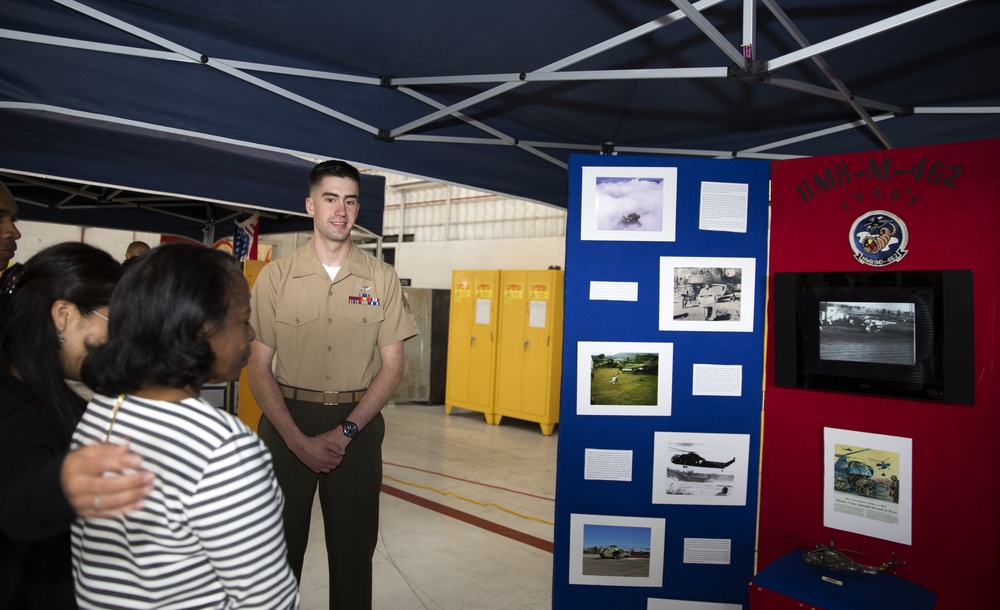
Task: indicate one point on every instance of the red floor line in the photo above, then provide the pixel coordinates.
(441, 474)
(538, 543)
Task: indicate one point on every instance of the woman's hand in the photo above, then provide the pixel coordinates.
(91, 493)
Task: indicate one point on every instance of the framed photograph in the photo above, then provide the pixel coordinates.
(696, 468)
(623, 378)
(616, 551)
(628, 203)
(707, 294)
(868, 484)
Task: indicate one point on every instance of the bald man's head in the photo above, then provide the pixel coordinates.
(135, 249)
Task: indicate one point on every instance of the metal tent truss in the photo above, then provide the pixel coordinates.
(480, 110)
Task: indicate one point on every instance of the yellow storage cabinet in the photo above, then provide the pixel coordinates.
(247, 409)
(530, 347)
(472, 336)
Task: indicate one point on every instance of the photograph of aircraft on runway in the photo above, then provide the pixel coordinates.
(616, 550)
(626, 547)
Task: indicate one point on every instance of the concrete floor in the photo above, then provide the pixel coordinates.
(466, 515)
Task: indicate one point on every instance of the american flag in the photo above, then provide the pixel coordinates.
(245, 238)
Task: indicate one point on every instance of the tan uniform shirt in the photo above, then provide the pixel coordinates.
(327, 335)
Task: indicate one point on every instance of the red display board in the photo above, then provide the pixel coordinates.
(948, 201)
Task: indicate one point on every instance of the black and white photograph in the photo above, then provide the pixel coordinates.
(628, 203)
(700, 468)
(882, 333)
(616, 551)
(707, 294)
(628, 378)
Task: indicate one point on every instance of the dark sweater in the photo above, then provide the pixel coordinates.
(35, 518)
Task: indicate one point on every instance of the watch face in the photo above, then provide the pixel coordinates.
(350, 429)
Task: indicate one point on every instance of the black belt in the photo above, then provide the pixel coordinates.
(325, 398)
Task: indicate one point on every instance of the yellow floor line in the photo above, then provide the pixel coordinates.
(451, 493)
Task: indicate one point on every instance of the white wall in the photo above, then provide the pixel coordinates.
(425, 264)
(37, 236)
(429, 264)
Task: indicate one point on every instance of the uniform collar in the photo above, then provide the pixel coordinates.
(306, 262)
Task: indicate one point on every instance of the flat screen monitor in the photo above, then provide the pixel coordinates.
(904, 334)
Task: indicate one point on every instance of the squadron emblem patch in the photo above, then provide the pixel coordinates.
(878, 238)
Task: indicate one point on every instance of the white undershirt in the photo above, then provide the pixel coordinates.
(332, 271)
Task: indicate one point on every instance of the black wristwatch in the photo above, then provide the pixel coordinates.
(350, 429)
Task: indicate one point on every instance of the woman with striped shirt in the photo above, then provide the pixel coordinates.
(210, 534)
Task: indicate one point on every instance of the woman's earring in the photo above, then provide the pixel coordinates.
(61, 339)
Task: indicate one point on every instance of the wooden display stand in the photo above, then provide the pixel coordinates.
(530, 347)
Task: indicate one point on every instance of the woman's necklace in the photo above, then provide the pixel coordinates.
(114, 415)
(181, 394)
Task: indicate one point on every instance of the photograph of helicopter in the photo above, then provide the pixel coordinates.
(710, 476)
(616, 550)
(835, 560)
(627, 547)
(695, 468)
(707, 294)
(613, 552)
(867, 484)
(858, 476)
(633, 203)
(690, 458)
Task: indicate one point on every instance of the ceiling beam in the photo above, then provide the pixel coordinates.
(861, 33)
(844, 94)
(591, 51)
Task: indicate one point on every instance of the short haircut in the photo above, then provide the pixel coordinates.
(162, 314)
(138, 247)
(334, 168)
(29, 341)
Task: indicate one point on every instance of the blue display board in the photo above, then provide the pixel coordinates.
(659, 427)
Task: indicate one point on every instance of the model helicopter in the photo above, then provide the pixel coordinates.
(690, 458)
(834, 559)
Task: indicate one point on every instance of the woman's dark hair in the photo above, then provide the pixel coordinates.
(162, 314)
(29, 342)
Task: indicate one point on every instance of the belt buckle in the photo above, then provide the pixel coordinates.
(335, 396)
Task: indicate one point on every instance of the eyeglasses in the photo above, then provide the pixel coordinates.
(97, 313)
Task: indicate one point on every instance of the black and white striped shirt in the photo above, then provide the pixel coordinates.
(209, 535)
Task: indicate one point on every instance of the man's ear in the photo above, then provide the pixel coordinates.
(310, 208)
